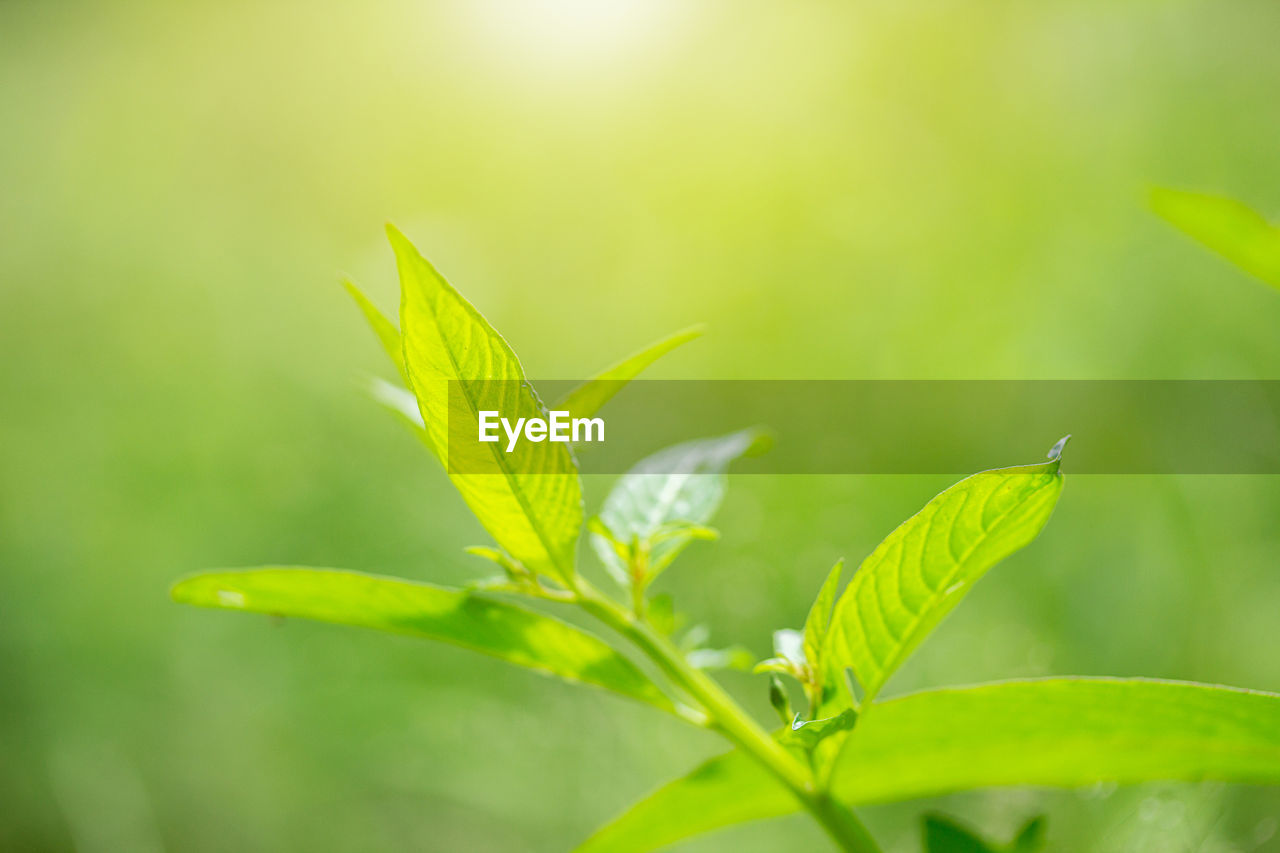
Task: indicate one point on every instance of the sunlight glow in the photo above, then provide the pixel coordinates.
(571, 31)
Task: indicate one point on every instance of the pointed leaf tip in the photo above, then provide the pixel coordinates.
(1055, 452)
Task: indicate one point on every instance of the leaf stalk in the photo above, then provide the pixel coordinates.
(727, 716)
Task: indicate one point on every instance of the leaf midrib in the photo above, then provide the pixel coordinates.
(915, 621)
(508, 474)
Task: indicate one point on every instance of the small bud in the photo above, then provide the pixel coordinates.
(779, 699)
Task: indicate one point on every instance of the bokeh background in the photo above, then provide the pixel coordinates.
(869, 189)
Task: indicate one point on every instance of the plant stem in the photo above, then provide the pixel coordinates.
(734, 723)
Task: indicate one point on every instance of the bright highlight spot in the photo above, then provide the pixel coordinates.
(571, 30)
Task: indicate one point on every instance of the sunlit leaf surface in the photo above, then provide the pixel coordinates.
(585, 400)
(922, 570)
(530, 500)
(1056, 732)
(512, 633)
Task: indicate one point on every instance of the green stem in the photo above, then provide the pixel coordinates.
(734, 723)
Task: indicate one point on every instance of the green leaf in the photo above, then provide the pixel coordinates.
(496, 628)
(944, 835)
(1031, 838)
(401, 403)
(807, 734)
(589, 397)
(818, 622)
(1226, 226)
(683, 483)
(734, 657)
(780, 700)
(1057, 732)
(922, 570)
(530, 500)
(725, 791)
(388, 335)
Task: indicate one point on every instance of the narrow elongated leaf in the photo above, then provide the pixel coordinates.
(1233, 230)
(922, 570)
(530, 499)
(388, 335)
(495, 628)
(683, 483)
(1053, 732)
(818, 622)
(587, 399)
(1060, 732)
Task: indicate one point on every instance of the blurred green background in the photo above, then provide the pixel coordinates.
(918, 189)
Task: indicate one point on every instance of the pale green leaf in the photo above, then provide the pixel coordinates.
(734, 657)
(1057, 732)
(922, 570)
(587, 399)
(1233, 230)
(684, 483)
(506, 631)
(388, 335)
(401, 403)
(530, 500)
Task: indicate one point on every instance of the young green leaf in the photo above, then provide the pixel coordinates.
(401, 403)
(684, 483)
(512, 633)
(530, 500)
(922, 570)
(1056, 732)
(587, 399)
(388, 335)
(780, 700)
(818, 622)
(733, 657)
(808, 734)
(1226, 226)
(788, 655)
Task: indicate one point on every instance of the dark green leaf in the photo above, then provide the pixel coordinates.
(1031, 838)
(943, 835)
